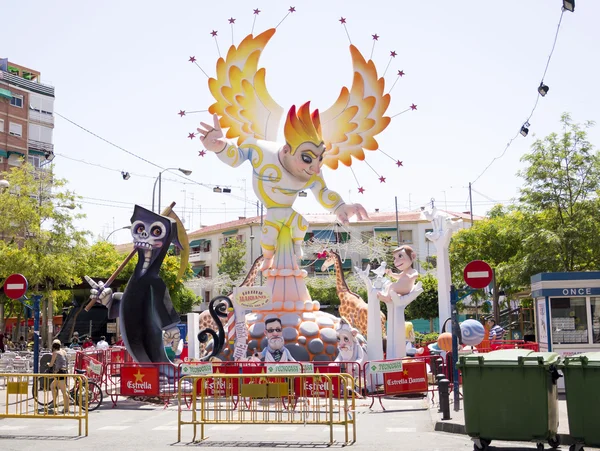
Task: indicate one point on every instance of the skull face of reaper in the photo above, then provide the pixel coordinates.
(151, 233)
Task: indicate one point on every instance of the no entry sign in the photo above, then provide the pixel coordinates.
(478, 274)
(15, 286)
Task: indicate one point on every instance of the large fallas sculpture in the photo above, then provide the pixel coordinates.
(280, 171)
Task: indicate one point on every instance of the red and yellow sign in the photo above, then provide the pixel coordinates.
(139, 381)
(412, 379)
(217, 386)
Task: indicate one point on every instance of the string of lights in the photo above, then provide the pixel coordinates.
(126, 175)
(568, 5)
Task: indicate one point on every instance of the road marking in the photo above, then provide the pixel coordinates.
(113, 428)
(61, 428)
(281, 429)
(401, 429)
(165, 428)
(338, 428)
(11, 428)
(224, 427)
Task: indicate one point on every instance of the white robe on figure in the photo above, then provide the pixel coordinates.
(396, 324)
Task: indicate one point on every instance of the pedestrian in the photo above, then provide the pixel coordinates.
(102, 344)
(58, 363)
(496, 331)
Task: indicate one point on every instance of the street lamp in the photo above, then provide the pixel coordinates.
(159, 180)
(116, 230)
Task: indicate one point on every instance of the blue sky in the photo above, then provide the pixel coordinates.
(121, 70)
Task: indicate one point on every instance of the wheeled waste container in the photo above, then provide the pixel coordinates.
(582, 386)
(511, 394)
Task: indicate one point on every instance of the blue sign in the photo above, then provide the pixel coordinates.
(570, 292)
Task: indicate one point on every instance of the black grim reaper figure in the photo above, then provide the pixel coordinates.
(145, 308)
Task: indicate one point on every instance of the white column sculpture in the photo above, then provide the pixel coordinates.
(443, 227)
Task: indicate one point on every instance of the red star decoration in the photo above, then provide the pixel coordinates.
(257, 11)
(231, 20)
(400, 73)
(322, 254)
(181, 113)
(375, 37)
(361, 190)
(413, 107)
(292, 9)
(393, 54)
(202, 153)
(192, 59)
(382, 179)
(399, 163)
(342, 20)
(191, 135)
(214, 33)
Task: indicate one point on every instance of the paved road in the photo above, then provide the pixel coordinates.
(407, 425)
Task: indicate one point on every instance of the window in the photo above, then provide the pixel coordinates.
(406, 236)
(34, 160)
(40, 133)
(1, 125)
(16, 101)
(595, 302)
(366, 236)
(15, 129)
(569, 320)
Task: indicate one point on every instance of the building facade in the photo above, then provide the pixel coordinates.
(409, 229)
(26, 117)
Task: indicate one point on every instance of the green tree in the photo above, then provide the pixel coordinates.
(562, 183)
(231, 258)
(322, 289)
(426, 304)
(498, 240)
(36, 222)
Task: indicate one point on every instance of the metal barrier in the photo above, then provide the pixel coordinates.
(306, 399)
(30, 396)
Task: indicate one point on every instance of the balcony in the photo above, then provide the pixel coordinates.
(40, 88)
(200, 257)
(44, 118)
(40, 146)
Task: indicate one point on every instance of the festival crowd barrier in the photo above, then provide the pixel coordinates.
(29, 396)
(268, 398)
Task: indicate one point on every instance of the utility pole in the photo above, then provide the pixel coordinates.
(192, 213)
(261, 227)
(397, 226)
(471, 203)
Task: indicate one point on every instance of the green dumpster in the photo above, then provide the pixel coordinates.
(582, 386)
(511, 394)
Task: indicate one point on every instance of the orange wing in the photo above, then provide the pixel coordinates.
(350, 125)
(242, 102)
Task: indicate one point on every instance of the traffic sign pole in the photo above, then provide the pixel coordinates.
(36, 333)
(453, 303)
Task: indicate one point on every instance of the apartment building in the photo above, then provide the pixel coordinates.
(410, 228)
(26, 116)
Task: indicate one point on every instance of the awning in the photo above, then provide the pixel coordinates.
(230, 232)
(324, 235)
(197, 269)
(36, 152)
(385, 229)
(5, 93)
(196, 243)
(3, 153)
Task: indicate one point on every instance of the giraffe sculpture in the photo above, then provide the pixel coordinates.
(352, 306)
(206, 321)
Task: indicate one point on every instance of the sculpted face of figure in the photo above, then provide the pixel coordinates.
(273, 332)
(402, 260)
(346, 343)
(305, 162)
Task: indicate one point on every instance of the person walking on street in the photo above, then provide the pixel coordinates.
(59, 367)
(496, 331)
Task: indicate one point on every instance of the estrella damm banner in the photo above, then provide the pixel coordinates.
(136, 381)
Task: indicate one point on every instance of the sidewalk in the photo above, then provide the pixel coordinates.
(456, 425)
